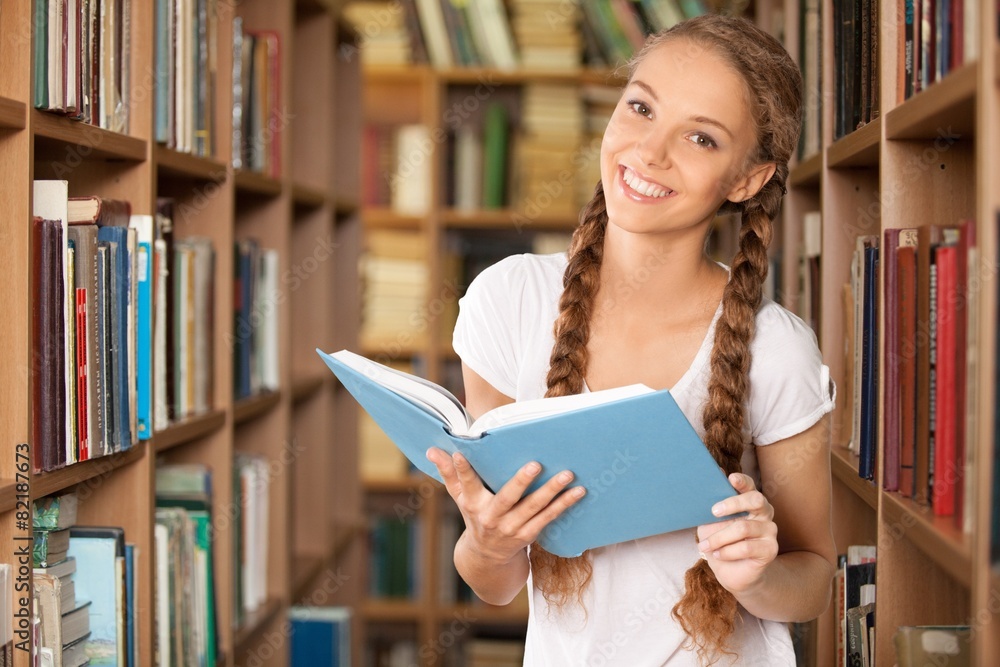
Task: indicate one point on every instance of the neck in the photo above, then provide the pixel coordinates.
(650, 273)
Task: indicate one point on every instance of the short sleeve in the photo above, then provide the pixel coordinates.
(487, 330)
(790, 387)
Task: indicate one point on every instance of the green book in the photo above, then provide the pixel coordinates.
(54, 512)
(495, 133)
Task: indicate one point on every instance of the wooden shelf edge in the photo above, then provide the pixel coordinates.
(304, 388)
(253, 623)
(937, 537)
(47, 483)
(374, 609)
(12, 114)
(481, 613)
(252, 407)
(191, 166)
(189, 430)
(307, 196)
(8, 495)
(506, 219)
(845, 468)
(100, 142)
(384, 218)
(807, 172)
(305, 567)
(929, 112)
(250, 182)
(860, 148)
(401, 485)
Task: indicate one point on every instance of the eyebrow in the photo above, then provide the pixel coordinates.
(698, 119)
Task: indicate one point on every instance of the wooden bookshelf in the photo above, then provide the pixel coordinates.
(807, 172)
(937, 537)
(213, 200)
(505, 219)
(189, 430)
(857, 149)
(946, 106)
(392, 610)
(844, 465)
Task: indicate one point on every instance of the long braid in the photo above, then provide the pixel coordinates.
(556, 577)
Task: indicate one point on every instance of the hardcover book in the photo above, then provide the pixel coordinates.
(630, 447)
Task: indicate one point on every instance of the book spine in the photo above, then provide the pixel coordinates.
(943, 500)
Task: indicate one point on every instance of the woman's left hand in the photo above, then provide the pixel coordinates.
(739, 550)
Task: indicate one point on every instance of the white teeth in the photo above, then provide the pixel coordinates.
(643, 187)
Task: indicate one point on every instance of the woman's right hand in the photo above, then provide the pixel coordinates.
(499, 526)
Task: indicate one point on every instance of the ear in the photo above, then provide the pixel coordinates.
(750, 184)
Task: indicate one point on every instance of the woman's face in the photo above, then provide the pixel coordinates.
(677, 144)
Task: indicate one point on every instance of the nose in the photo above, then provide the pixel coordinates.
(652, 149)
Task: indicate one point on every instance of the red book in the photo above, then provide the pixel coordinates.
(82, 405)
(964, 301)
(943, 498)
(890, 353)
(906, 286)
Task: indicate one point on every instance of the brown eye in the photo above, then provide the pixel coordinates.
(640, 108)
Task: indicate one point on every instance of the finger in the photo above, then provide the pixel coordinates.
(738, 531)
(512, 492)
(764, 550)
(468, 479)
(541, 497)
(552, 512)
(446, 468)
(752, 502)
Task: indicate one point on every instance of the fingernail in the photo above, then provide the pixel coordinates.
(735, 478)
(578, 491)
(717, 510)
(703, 546)
(532, 468)
(565, 477)
(715, 554)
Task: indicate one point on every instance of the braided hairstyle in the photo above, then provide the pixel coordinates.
(707, 612)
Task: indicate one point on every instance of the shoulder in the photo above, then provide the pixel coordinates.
(519, 276)
(777, 327)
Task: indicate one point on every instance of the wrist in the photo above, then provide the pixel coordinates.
(480, 556)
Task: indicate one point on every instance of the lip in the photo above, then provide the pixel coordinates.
(636, 196)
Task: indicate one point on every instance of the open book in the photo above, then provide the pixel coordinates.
(645, 469)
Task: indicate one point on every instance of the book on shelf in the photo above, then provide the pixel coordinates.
(254, 340)
(856, 65)
(939, 645)
(935, 38)
(856, 618)
(258, 117)
(578, 432)
(55, 512)
(82, 60)
(251, 502)
(184, 61)
(396, 545)
(320, 636)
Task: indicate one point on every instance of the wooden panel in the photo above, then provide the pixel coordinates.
(90, 140)
(858, 149)
(807, 172)
(12, 114)
(173, 163)
(247, 409)
(947, 106)
(92, 471)
(253, 183)
(937, 537)
(189, 430)
(844, 466)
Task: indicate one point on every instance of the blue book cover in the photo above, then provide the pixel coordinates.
(96, 550)
(143, 225)
(122, 293)
(630, 454)
(320, 636)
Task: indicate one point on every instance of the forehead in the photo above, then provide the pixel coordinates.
(696, 78)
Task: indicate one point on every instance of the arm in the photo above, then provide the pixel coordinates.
(780, 559)
(491, 555)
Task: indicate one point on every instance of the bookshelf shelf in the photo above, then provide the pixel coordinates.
(807, 172)
(482, 613)
(857, 149)
(306, 387)
(253, 623)
(504, 219)
(97, 141)
(391, 610)
(252, 183)
(8, 495)
(185, 165)
(247, 409)
(401, 485)
(468, 75)
(12, 114)
(947, 106)
(189, 430)
(845, 468)
(308, 196)
(400, 73)
(938, 537)
(305, 567)
(384, 218)
(47, 483)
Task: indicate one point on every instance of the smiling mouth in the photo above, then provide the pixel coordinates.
(637, 187)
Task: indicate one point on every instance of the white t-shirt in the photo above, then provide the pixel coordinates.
(504, 333)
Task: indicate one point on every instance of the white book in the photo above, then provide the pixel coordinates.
(160, 412)
(161, 597)
(435, 33)
(468, 168)
(270, 371)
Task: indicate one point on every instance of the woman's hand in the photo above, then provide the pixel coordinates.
(499, 527)
(739, 550)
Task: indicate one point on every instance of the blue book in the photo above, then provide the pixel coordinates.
(320, 636)
(143, 226)
(100, 555)
(632, 448)
(121, 271)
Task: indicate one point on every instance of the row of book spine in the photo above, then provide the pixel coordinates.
(395, 561)
(83, 591)
(931, 275)
(254, 341)
(854, 590)
(251, 493)
(122, 325)
(82, 60)
(258, 121)
(937, 36)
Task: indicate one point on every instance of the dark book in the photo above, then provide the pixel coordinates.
(869, 365)
(48, 405)
(907, 373)
(928, 237)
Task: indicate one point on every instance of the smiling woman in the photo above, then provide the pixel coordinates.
(706, 123)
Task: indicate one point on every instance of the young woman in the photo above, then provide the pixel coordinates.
(706, 123)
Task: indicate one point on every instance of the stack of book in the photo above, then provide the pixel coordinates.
(82, 60)
(394, 169)
(257, 115)
(929, 387)
(255, 328)
(546, 33)
(552, 125)
(382, 28)
(185, 61)
(64, 617)
(394, 274)
(251, 501)
(856, 65)
(465, 33)
(186, 627)
(614, 30)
